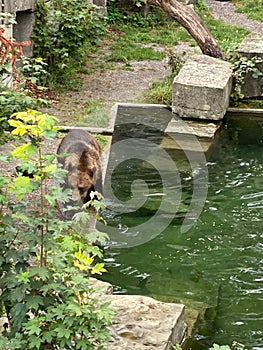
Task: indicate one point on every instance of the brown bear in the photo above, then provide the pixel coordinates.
(80, 154)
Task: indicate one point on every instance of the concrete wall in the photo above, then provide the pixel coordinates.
(14, 6)
(24, 12)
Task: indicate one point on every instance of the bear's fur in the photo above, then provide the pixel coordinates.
(82, 160)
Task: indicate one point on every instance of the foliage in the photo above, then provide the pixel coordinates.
(12, 101)
(242, 67)
(235, 346)
(63, 31)
(133, 14)
(34, 70)
(45, 262)
(18, 95)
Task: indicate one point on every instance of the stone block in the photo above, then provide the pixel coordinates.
(202, 88)
(252, 46)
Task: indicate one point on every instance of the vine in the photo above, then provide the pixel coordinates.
(242, 67)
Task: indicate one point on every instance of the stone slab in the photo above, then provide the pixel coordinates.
(143, 323)
(252, 46)
(202, 88)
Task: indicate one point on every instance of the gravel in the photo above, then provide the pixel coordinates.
(225, 10)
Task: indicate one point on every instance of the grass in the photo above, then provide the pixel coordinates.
(227, 36)
(130, 45)
(160, 92)
(95, 114)
(125, 50)
(252, 8)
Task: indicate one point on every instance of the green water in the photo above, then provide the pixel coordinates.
(217, 266)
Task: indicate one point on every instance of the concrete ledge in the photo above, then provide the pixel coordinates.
(245, 112)
(201, 89)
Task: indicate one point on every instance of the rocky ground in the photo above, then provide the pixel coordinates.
(120, 84)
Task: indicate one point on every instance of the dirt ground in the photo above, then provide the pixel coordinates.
(121, 85)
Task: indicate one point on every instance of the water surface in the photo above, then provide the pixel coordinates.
(218, 263)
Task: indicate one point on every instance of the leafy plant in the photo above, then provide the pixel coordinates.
(12, 101)
(45, 262)
(34, 70)
(242, 67)
(16, 95)
(63, 31)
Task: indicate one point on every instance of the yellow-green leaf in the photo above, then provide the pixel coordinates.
(98, 269)
(21, 186)
(80, 266)
(20, 128)
(25, 151)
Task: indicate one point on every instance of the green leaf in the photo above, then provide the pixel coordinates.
(23, 277)
(98, 269)
(33, 301)
(75, 308)
(41, 272)
(35, 343)
(25, 151)
(21, 186)
(33, 326)
(62, 332)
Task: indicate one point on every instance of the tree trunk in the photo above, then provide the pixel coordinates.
(189, 19)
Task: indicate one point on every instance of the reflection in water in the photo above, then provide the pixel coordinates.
(218, 264)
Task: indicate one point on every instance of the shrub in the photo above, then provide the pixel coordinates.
(63, 31)
(45, 262)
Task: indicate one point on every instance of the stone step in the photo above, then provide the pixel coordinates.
(189, 136)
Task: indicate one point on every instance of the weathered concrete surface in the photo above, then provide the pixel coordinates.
(202, 88)
(14, 6)
(143, 323)
(252, 46)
